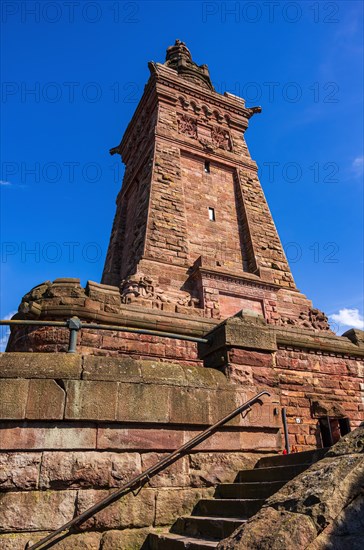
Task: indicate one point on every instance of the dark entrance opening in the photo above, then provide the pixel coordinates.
(332, 429)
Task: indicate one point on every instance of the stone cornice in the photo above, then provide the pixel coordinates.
(246, 332)
(319, 343)
(246, 279)
(195, 148)
(170, 78)
(132, 316)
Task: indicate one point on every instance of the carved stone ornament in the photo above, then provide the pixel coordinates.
(142, 289)
(221, 139)
(187, 126)
(311, 319)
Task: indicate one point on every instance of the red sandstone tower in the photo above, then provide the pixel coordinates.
(193, 233)
(193, 243)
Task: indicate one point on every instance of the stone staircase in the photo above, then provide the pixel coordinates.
(215, 519)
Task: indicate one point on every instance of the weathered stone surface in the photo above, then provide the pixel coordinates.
(222, 403)
(19, 471)
(128, 511)
(172, 503)
(323, 490)
(88, 469)
(244, 330)
(40, 365)
(13, 398)
(352, 444)
(176, 475)
(163, 439)
(189, 406)
(319, 499)
(18, 541)
(226, 440)
(272, 530)
(37, 436)
(36, 510)
(127, 539)
(83, 541)
(111, 368)
(346, 531)
(143, 403)
(90, 400)
(205, 377)
(166, 373)
(46, 400)
(208, 469)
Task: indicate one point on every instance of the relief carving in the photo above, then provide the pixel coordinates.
(311, 319)
(221, 138)
(187, 126)
(142, 289)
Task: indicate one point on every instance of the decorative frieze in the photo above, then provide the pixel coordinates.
(142, 289)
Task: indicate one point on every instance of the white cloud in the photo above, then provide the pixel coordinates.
(5, 332)
(358, 166)
(349, 318)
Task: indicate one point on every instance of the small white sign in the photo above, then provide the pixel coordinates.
(298, 421)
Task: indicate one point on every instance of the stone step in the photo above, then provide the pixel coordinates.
(274, 473)
(306, 457)
(171, 541)
(228, 508)
(256, 490)
(210, 527)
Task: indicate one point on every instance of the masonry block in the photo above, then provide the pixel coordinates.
(36, 510)
(46, 400)
(90, 400)
(40, 365)
(128, 511)
(13, 401)
(143, 403)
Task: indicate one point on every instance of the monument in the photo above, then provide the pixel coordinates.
(193, 252)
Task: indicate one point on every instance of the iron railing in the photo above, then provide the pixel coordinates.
(138, 481)
(74, 325)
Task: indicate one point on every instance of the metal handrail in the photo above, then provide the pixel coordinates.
(75, 324)
(141, 479)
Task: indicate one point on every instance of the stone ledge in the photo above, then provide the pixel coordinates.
(40, 365)
(65, 298)
(248, 331)
(149, 372)
(318, 341)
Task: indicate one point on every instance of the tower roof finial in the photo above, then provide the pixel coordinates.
(178, 57)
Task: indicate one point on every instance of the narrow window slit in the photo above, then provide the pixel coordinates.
(212, 214)
(207, 166)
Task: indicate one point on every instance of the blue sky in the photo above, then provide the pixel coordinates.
(72, 74)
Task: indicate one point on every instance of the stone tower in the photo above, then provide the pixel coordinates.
(160, 353)
(193, 233)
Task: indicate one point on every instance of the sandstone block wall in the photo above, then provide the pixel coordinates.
(74, 427)
(315, 375)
